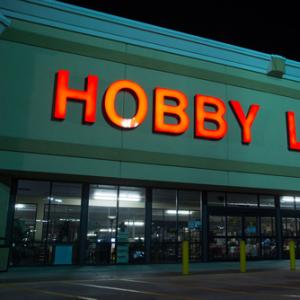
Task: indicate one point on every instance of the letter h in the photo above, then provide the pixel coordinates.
(63, 93)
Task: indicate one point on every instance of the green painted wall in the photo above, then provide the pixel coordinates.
(31, 141)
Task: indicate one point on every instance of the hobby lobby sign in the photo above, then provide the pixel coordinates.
(162, 109)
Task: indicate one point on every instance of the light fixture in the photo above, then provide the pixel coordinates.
(112, 195)
(134, 223)
(287, 199)
(91, 234)
(54, 199)
(107, 230)
(19, 206)
(180, 212)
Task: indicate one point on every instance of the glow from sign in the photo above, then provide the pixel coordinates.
(64, 93)
(162, 110)
(216, 117)
(141, 103)
(245, 121)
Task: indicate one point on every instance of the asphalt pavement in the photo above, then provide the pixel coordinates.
(263, 280)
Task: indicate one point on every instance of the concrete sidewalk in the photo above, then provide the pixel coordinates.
(50, 273)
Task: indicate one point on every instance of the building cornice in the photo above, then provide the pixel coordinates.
(85, 21)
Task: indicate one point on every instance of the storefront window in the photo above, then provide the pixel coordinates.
(289, 227)
(217, 248)
(297, 202)
(267, 201)
(267, 226)
(131, 225)
(250, 226)
(216, 199)
(190, 221)
(233, 245)
(102, 218)
(238, 199)
(46, 223)
(164, 226)
(217, 225)
(252, 247)
(234, 226)
(29, 243)
(287, 202)
(176, 216)
(63, 214)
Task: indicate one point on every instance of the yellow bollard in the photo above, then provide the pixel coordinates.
(185, 258)
(292, 255)
(242, 256)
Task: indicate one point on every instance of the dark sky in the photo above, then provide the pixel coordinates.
(270, 27)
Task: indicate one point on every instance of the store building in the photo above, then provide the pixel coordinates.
(118, 140)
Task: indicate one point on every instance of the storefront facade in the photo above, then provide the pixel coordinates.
(119, 140)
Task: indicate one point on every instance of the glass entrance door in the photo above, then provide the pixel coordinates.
(116, 225)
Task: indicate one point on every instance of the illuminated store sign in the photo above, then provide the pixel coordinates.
(203, 115)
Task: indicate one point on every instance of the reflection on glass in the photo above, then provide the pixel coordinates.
(267, 201)
(287, 202)
(239, 199)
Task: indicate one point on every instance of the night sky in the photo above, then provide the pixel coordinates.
(273, 27)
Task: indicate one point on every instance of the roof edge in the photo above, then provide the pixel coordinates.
(66, 16)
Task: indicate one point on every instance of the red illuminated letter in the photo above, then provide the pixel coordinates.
(161, 109)
(291, 127)
(245, 121)
(63, 93)
(216, 117)
(141, 101)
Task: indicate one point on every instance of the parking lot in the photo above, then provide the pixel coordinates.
(274, 284)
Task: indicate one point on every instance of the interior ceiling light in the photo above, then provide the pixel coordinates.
(180, 212)
(131, 196)
(287, 199)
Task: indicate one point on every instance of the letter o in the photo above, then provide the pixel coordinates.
(141, 102)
